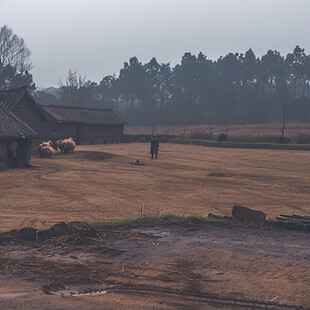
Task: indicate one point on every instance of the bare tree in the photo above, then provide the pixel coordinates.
(72, 90)
(13, 50)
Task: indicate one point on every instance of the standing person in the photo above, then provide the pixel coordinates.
(154, 147)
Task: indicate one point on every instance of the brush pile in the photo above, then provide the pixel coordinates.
(295, 222)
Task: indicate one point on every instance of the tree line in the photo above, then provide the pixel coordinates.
(234, 89)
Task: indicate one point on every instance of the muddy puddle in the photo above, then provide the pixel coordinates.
(74, 289)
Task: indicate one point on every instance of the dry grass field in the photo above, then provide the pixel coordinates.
(189, 265)
(98, 183)
(257, 133)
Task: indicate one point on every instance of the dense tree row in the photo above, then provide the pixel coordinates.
(236, 88)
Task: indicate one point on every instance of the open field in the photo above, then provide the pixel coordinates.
(164, 265)
(299, 133)
(97, 183)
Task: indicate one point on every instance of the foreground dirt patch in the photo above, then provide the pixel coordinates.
(98, 183)
(183, 266)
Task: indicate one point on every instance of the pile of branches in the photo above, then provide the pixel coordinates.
(295, 221)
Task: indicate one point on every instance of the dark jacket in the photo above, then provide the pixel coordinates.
(154, 146)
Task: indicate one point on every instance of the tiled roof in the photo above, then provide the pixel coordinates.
(63, 114)
(12, 96)
(12, 127)
(83, 115)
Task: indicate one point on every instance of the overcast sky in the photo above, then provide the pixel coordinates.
(95, 37)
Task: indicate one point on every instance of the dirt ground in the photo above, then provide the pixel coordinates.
(168, 266)
(98, 183)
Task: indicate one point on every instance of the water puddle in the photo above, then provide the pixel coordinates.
(76, 289)
(154, 233)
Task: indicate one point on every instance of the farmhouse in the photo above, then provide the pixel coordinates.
(84, 125)
(15, 140)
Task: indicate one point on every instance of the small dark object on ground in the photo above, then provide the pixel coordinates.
(283, 140)
(137, 163)
(27, 165)
(241, 213)
(222, 137)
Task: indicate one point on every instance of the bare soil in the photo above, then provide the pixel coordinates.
(98, 183)
(167, 266)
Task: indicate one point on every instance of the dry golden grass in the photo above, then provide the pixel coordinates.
(97, 183)
(297, 132)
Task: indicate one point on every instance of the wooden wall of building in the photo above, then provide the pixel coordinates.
(93, 131)
(3, 154)
(32, 117)
(81, 133)
(23, 153)
(96, 134)
(88, 134)
(64, 130)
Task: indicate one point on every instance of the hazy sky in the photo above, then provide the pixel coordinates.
(95, 37)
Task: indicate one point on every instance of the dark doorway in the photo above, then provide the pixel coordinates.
(79, 134)
(18, 153)
(12, 148)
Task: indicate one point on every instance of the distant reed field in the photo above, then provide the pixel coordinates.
(298, 133)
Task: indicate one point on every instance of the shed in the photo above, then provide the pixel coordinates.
(86, 125)
(15, 140)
